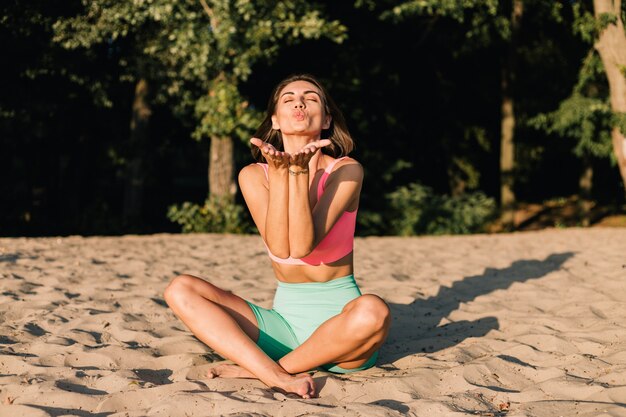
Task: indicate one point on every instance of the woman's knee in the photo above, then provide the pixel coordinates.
(183, 285)
(180, 287)
(370, 315)
(176, 287)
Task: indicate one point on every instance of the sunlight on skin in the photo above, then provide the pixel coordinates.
(300, 158)
(301, 385)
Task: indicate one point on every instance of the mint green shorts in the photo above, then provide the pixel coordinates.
(299, 309)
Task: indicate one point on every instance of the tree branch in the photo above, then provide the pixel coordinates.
(209, 12)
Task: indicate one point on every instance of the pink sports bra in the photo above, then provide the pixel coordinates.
(338, 242)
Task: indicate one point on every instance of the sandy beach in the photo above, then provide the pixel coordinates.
(521, 324)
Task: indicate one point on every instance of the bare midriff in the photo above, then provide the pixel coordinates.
(314, 273)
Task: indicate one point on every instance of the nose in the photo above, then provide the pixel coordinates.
(299, 104)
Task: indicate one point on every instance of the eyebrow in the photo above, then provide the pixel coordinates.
(306, 92)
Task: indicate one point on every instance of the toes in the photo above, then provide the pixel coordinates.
(213, 373)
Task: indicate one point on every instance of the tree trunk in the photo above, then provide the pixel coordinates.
(507, 162)
(133, 192)
(585, 185)
(507, 127)
(611, 45)
(221, 168)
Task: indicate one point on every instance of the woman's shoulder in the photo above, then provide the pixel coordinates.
(253, 167)
(345, 168)
(337, 163)
(255, 170)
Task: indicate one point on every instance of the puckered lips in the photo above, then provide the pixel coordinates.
(298, 115)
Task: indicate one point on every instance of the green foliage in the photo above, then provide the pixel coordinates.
(587, 120)
(606, 19)
(224, 111)
(453, 9)
(216, 215)
(371, 223)
(620, 122)
(196, 52)
(409, 205)
(466, 171)
(416, 210)
(481, 20)
(586, 115)
(435, 119)
(592, 80)
(587, 26)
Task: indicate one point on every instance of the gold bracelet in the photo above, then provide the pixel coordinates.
(304, 171)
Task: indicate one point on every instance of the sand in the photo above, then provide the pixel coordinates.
(521, 324)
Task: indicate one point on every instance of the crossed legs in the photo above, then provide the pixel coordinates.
(226, 323)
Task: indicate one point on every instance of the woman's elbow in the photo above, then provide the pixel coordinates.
(299, 252)
(279, 252)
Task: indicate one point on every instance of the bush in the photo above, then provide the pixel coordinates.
(416, 210)
(216, 215)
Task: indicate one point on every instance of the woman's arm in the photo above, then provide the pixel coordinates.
(301, 230)
(267, 205)
(309, 227)
(276, 220)
(280, 207)
(267, 200)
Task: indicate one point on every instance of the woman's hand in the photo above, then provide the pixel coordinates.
(301, 158)
(275, 158)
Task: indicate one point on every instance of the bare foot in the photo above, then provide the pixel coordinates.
(229, 371)
(300, 384)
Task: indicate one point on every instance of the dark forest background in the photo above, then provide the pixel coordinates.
(114, 114)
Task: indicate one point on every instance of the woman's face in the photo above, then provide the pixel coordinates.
(300, 110)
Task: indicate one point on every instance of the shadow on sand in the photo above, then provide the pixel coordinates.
(415, 327)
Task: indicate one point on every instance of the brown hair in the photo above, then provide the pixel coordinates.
(341, 141)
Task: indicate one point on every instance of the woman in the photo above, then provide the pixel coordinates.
(304, 201)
